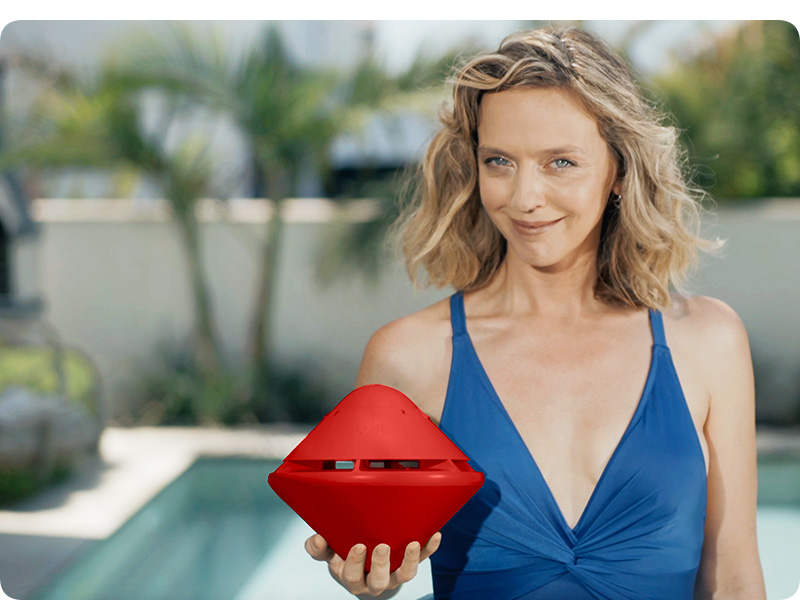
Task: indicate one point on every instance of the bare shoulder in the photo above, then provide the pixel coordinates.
(412, 354)
(703, 321)
(709, 341)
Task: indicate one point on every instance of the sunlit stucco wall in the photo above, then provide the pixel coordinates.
(114, 280)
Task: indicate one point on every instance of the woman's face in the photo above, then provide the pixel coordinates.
(545, 174)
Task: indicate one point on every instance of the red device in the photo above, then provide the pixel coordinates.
(376, 470)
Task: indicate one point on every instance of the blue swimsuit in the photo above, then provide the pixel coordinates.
(641, 533)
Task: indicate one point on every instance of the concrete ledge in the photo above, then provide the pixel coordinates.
(773, 440)
(134, 465)
(235, 210)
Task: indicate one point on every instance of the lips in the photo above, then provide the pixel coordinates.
(534, 223)
(534, 227)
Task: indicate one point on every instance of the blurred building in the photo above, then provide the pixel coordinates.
(19, 246)
(378, 152)
(19, 294)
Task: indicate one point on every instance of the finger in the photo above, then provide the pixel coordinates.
(352, 574)
(378, 578)
(336, 567)
(431, 547)
(408, 568)
(318, 548)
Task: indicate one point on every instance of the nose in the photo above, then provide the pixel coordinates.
(529, 192)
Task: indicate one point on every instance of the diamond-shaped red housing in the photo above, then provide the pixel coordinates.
(375, 470)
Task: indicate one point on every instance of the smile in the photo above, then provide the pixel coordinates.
(537, 229)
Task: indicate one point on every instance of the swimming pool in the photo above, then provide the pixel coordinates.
(218, 532)
(779, 523)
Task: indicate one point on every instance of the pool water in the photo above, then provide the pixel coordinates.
(778, 524)
(218, 532)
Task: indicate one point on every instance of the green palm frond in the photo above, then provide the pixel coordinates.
(429, 72)
(176, 60)
(63, 129)
(354, 247)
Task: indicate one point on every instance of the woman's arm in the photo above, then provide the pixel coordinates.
(730, 568)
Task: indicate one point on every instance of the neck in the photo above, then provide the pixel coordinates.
(558, 294)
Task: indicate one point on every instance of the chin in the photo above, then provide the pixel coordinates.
(537, 260)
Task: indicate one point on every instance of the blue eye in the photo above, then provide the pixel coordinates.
(563, 163)
(497, 160)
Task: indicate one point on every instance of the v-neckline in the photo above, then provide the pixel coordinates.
(572, 531)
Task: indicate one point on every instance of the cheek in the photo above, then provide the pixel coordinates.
(587, 198)
(493, 191)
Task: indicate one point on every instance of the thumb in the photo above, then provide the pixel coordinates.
(317, 547)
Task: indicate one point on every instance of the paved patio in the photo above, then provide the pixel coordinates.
(41, 536)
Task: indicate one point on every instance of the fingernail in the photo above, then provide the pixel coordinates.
(415, 548)
(360, 549)
(382, 552)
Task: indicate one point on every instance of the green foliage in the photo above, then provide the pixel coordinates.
(738, 104)
(18, 483)
(32, 367)
(294, 393)
(429, 72)
(359, 248)
(282, 109)
(181, 394)
(182, 398)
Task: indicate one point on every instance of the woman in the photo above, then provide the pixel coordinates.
(613, 418)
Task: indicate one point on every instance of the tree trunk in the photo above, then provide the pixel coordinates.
(259, 344)
(205, 340)
(259, 330)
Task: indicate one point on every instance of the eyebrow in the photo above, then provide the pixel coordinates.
(548, 151)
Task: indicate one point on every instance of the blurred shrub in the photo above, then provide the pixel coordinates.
(18, 483)
(291, 393)
(187, 398)
(738, 104)
(181, 394)
(33, 367)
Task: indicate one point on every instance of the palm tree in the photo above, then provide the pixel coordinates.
(288, 115)
(279, 110)
(99, 126)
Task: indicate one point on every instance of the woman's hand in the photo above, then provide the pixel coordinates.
(350, 573)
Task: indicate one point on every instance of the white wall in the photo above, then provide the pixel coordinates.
(759, 277)
(113, 277)
(114, 282)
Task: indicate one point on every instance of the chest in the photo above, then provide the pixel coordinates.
(571, 398)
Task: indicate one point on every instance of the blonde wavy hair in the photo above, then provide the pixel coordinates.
(650, 233)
